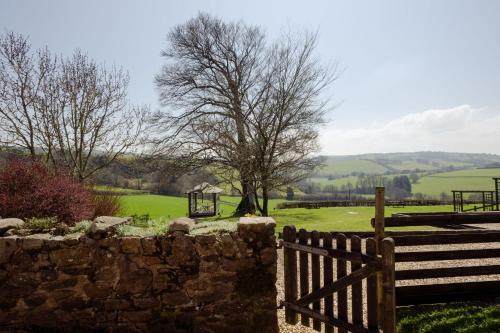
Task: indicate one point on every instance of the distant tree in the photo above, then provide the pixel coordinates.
(290, 194)
(400, 187)
(414, 178)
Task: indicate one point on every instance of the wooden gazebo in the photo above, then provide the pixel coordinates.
(203, 200)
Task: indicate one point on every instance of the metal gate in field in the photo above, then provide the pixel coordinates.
(338, 283)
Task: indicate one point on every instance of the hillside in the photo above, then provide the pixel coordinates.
(403, 163)
(431, 173)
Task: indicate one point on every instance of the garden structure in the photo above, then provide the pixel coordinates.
(203, 200)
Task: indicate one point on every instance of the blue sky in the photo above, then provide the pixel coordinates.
(419, 75)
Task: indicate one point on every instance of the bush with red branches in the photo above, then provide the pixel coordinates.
(29, 189)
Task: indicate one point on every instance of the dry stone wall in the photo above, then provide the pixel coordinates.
(177, 282)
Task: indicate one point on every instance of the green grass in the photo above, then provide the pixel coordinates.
(471, 179)
(322, 219)
(449, 318)
(342, 218)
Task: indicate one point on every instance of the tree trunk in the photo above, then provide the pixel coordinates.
(247, 203)
(265, 201)
(257, 203)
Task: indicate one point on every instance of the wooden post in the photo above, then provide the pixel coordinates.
(497, 193)
(189, 205)
(389, 289)
(379, 235)
(316, 282)
(304, 272)
(327, 278)
(342, 310)
(290, 272)
(371, 288)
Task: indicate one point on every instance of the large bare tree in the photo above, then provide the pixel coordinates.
(73, 111)
(249, 108)
(285, 124)
(211, 83)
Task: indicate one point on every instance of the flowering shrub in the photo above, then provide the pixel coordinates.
(29, 189)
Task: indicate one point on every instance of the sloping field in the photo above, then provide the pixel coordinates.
(349, 165)
(471, 179)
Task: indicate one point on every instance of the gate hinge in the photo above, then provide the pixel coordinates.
(281, 305)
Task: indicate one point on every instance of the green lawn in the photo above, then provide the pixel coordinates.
(450, 318)
(471, 179)
(322, 219)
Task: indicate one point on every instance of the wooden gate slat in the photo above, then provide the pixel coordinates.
(338, 285)
(332, 253)
(304, 272)
(290, 271)
(327, 279)
(341, 272)
(357, 287)
(315, 278)
(371, 288)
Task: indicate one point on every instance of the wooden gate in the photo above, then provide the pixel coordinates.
(371, 304)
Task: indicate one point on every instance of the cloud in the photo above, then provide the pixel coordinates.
(458, 129)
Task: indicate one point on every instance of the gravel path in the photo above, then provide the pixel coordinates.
(435, 264)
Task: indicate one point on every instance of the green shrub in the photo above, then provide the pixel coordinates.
(143, 226)
(40, 223)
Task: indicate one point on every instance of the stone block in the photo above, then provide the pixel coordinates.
(105, 226)
(256, 225)
(8, 246)
(182, 224)
(10, 223)
(131, 245)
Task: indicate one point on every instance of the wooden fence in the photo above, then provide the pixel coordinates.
(331, 255)
(358, 203)
(421, 291)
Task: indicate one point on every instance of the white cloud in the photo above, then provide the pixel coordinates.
(458, 129)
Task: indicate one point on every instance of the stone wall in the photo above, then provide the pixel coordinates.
(177, 282)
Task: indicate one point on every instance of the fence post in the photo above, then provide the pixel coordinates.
(290, 271)
(389, 290)
(379, 235)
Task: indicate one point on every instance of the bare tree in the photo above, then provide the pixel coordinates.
(73, 111)
(211, 79)
(285, 124)
(21, 74)
(94, 124)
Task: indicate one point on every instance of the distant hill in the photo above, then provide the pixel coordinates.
(404, 163)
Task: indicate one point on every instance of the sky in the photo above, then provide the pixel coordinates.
(414, 75)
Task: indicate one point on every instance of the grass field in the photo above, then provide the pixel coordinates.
(322, 219)
(471, 179)
(450, 318)
(346, 166)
